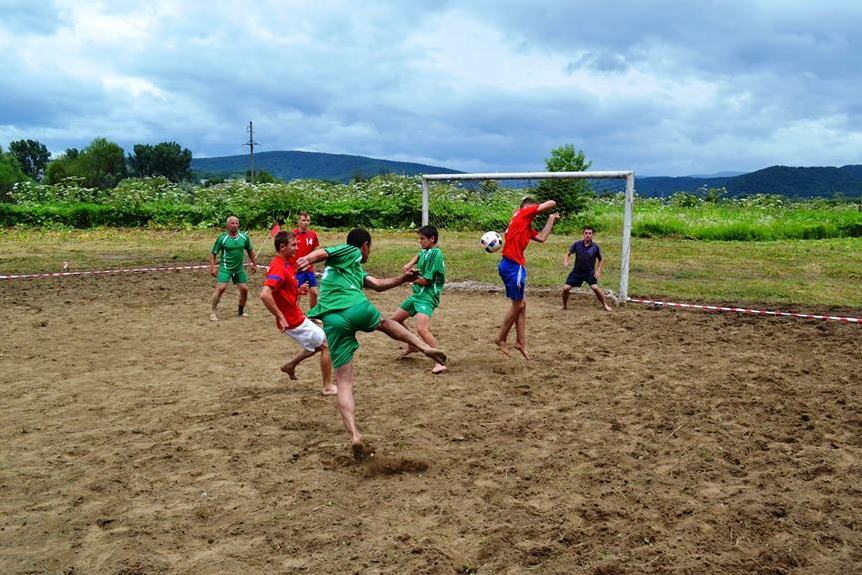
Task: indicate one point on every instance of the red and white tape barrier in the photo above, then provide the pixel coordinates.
(107, 272)
(746, 310)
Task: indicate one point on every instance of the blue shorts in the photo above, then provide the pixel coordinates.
(575, 279)
(514, 277)
(306, 278)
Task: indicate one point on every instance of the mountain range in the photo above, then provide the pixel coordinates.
(792, 182)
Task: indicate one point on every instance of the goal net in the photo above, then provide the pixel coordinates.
(486, 201)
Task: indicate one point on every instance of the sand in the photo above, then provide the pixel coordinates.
(138, 437)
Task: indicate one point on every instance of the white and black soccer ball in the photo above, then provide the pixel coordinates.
(491, 241)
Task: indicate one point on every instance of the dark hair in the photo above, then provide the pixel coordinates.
(282, 238)
(591, 228)
(358, 236)
(429, 232)
(528, 201)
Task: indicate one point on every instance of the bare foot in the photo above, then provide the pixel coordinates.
(437, 355)
(362, 452)
(607, 307)
(329, 390)
(438, 369)
(213, 317)
(523, 350)
(501, 343)
(290, 370)
(410, 349)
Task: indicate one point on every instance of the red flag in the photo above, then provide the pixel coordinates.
(275, 229)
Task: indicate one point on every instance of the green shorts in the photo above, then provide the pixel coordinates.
(341, 327)
(414, 305)
(239, 276)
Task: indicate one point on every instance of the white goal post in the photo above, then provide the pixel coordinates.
(628, 176)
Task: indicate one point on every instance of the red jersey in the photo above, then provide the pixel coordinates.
(305, 244)
(281, 277)
(519, 233)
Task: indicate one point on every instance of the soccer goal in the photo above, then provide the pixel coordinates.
(592, 181)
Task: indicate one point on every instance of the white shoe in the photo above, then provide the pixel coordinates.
(213, 317)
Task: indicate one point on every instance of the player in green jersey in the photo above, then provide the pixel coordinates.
(427, 288)
(229, 248)
(344, 310)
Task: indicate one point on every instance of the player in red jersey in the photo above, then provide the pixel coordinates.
(306, 242)
(513, 269)
(279, 295)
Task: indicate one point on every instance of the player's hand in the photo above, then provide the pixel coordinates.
(555, 216)
(303, 289)
(253, 269)
(411, 275)
(280, 323)
(302, 264)
(598, 275)
(406, 268)
(213, 272)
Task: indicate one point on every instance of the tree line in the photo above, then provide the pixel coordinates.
(102, 164)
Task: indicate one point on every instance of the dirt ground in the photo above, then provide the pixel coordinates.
(140, 438)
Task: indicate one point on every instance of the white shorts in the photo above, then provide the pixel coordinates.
(307, 334)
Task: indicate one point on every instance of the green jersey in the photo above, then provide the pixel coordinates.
(342, 282)
(431, 268)
(230, 250)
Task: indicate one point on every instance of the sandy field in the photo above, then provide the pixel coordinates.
(140, 438)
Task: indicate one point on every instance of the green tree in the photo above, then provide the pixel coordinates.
(62, 167)
(166, 159)
(32, 156)
(10, 174)
(102, 164)
(572, 196)
(261, 177)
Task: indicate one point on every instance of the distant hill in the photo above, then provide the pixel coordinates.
(824, 182)
(294, 165)
(792, 182)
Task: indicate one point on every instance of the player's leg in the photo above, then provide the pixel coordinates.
(326, 371)
(219, 291)
(400, 333)
(423, 322)
(313, 294)
(514, 277)
(243, 298)
(567, 290)
(521, 330)
(290, 367)
(401, 315)
(346, 403)
(508, 322)
(600, 295)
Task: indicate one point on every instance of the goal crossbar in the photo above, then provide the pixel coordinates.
(628, 175)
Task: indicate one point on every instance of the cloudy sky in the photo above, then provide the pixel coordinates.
(662, 87)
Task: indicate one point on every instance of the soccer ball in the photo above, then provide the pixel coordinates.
(491, 241)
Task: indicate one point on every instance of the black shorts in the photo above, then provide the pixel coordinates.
(576, 279)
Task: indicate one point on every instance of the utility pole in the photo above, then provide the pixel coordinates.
(251, 144)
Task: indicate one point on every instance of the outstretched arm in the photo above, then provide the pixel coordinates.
(305, 262)
(549, 225)
(383, 284)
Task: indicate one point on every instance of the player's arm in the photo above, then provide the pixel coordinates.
(409, 265)
(383, 284)
(549, 225)
(546, 206)
(303, 263)
(567, 259)
(269, 303)
(252, 257)
(600, 265)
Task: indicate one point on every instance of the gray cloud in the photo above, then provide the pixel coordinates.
(662, 87)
